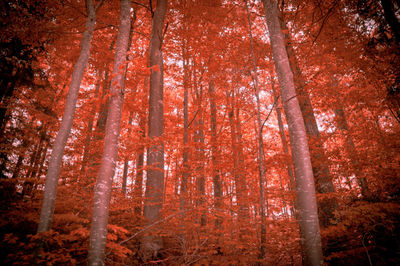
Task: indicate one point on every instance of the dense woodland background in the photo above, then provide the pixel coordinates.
(228, 185)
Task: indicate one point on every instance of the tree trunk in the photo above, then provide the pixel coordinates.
(102, 193)
(305, 188)
(391, 18)
(97, 140)
(351, 151)
(42, 160)
(50, 191)
(260, 157)
(285, 147)
(138, 189)
(86, 149)
(323, 180)
(215, 155)
(185, 155)
(283, 139)
(240, 185)
(155, 154)
(126, 160)
(199, 154)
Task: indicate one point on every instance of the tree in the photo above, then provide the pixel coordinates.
(343, 53)
(155, 153)
(261, 162)
(305, 188)
(102, 192)
(50, 191)
(215, 153)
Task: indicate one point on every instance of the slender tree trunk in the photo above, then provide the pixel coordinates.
(86, 149)
(42, 160)
(5, 98)
(185, 155)
(33, 159)
(50, 191)
(199, 144)
(22, 149)
(102, 193)
(284, 146)
(351, 151)
(18, 165)
(155, 154)
(215, 154)
(283, 139)
(126, 160)
(261, 162)
(305, 188)
(40, 150)
(138, 189)
(237, 165)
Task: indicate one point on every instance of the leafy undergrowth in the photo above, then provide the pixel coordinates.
(367, 232)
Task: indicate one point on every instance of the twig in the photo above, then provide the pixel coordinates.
(270, 111)
(99, 5)
(142, 5)
(151, 8)
(193, 117)
(146, 228)
(366, 250)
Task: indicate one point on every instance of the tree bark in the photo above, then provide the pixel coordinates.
(50, 191)
(285, 147)
(215, 154)
(351, 151)
(102, 193)
(283, 139)
(323, 180)
(126, 160)
(138, 189)
(260, 158)
(305, 188)
(240, 185)
(391, 18)
(199, 144)
(185, 155)
(150, 245)
(86, 149)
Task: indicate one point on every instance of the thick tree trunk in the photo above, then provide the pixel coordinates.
(50, 191)
(102, 193)
(155, 154)
(305, 188)
(323, 180)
